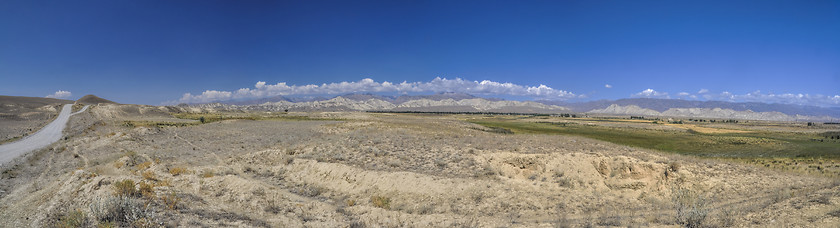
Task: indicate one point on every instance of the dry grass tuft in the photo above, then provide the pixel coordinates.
(178, 171)
(170, 200)
(208, 174)
(381, 202)
(147, 190)
(149, 175)
(125, 188)
(144, 165)
(164, 183)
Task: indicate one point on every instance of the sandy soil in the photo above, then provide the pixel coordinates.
(388, 170)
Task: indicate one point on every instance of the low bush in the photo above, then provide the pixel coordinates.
(73, 219)
(125, 188)
(123, 211)
(692, 209)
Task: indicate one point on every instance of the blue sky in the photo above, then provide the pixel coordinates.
(154, 52)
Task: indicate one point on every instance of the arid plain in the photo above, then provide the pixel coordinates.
(148, 166)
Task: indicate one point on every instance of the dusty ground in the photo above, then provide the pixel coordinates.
(386, 170)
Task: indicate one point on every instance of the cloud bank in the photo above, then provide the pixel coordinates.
(649, 93)
(757, 96)
(367, 85)
(61, 94)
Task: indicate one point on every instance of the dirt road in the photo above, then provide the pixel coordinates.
(44, 137)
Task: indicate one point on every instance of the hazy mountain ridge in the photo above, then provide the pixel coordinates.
(443, 102)
(714, 113)
(459, 102)
(662, 105)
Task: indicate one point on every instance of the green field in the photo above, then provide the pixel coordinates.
(725, 145)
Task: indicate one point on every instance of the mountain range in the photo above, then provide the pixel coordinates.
(441, 102)
(460, 102)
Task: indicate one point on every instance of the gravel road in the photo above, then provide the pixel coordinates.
(44, 137)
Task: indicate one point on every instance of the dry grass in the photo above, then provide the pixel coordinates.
(178, 171)
(208, 174)
(170, 200)
(147, 190)
(75, 218)
(163, 183)
(143, 166)
(381, 202)
(125, 188)
(149, 175)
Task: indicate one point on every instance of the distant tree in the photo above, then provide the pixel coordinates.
(201, 119)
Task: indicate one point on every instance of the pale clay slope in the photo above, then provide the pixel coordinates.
(437, 171)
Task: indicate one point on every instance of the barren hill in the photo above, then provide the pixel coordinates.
(93, 99)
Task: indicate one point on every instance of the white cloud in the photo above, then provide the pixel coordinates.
(649, 93)
(608, 86)
(486, 87)
(784, 98)
(758, 96)
(61, 94)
